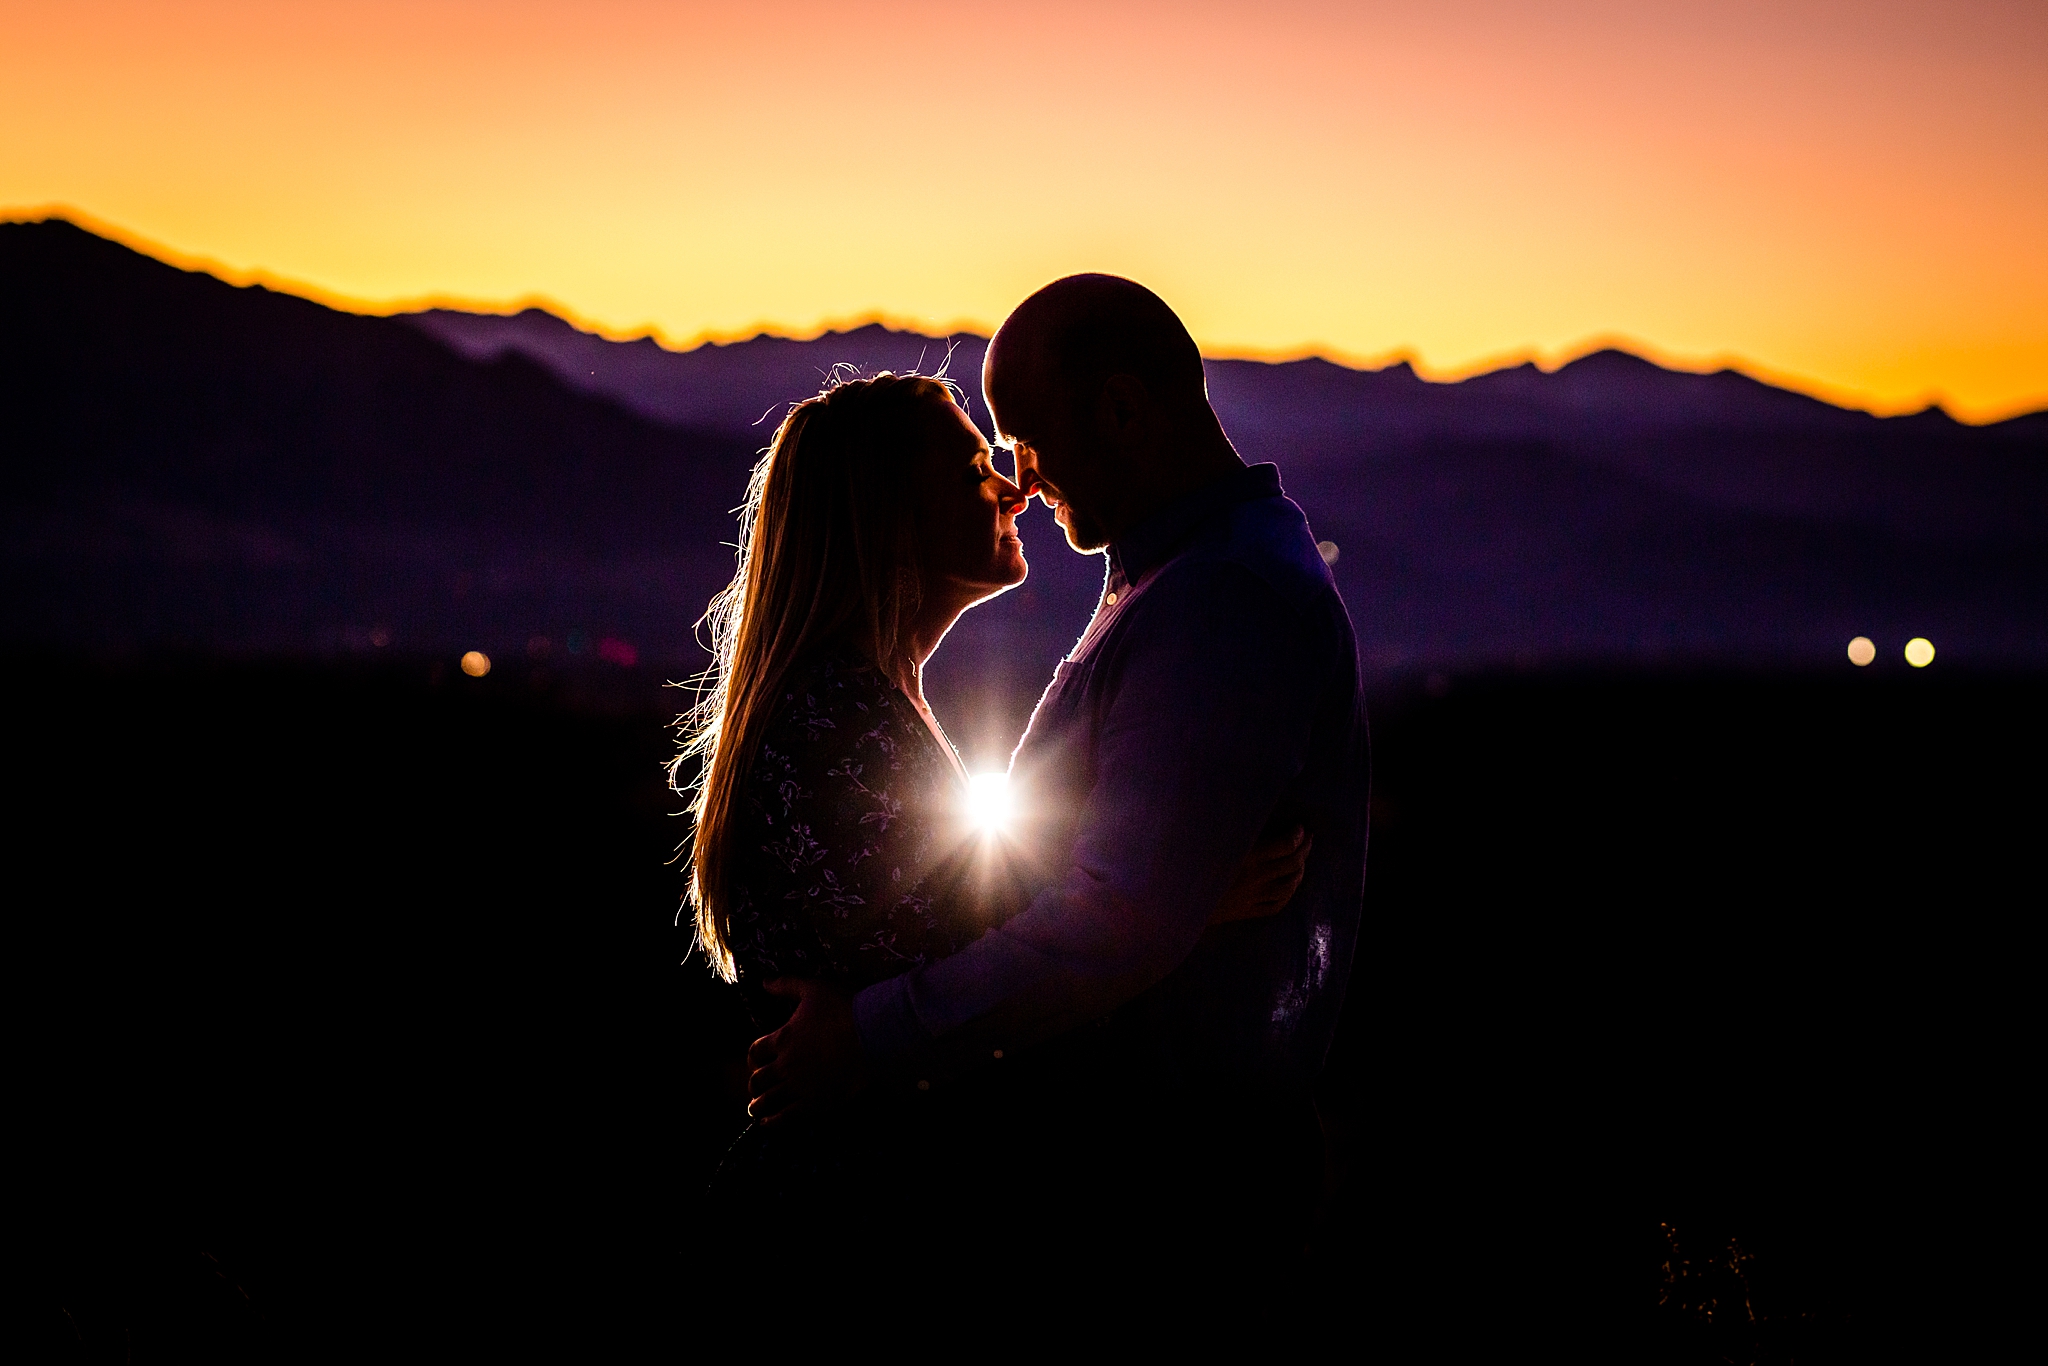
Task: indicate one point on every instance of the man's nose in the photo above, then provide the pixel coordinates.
(1027, 472)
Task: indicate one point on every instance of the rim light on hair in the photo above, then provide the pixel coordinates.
(828, 554)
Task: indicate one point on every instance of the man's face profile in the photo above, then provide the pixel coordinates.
(1034, 412)
(1038, 465)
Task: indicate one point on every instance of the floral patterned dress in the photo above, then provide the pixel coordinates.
(846, 840)
(849, 809)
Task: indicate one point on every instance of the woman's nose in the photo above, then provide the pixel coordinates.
(1012, 498)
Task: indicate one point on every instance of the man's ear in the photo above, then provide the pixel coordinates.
(1127, 407)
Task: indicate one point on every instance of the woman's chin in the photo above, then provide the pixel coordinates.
(1010, 565)
(1007, 575)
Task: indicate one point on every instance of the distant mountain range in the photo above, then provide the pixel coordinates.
(234, 469)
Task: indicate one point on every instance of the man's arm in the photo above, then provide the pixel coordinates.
(1207, 724)
(815, 1060)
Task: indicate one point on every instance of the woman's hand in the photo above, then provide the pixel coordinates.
(1267, 879)
(813, 1062)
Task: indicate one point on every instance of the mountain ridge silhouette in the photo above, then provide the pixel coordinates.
(234, 469)
(681, 386)
(1285, 410)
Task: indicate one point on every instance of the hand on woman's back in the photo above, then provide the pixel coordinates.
(1267, 879)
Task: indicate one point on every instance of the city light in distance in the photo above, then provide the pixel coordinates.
(989, 800)
(476, 663)
(1919, 652)
(1861, 651)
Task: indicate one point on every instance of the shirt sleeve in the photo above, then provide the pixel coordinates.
(1205, 722)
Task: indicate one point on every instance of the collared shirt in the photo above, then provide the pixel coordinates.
(1214, 695)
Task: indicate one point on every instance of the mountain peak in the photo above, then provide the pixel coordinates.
(1612, 360)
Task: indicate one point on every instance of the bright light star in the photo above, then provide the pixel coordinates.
(988, 800)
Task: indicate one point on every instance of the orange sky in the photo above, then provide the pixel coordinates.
(1851, 197)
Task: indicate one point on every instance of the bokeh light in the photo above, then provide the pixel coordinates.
(1861, 651)
(476, 663)
(989, 800)
(1919, 652)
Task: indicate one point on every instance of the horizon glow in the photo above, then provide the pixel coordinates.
(1849, 200)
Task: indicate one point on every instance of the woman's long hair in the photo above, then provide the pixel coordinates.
(829, 553)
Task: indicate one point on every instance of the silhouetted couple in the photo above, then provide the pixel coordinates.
(1101, 1024)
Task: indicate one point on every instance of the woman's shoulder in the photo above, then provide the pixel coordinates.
(827, 690)
(836, 674)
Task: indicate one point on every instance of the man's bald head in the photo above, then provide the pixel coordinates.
(1099, 388)
(1061, 345)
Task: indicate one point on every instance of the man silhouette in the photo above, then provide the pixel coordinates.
(1150, 1061)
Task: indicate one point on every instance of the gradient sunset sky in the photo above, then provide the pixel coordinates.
(1852, 198)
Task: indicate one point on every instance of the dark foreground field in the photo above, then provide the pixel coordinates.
(350, 1023)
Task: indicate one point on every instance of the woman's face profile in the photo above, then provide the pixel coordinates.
(967, 510)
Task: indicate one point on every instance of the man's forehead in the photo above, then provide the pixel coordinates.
(1016, 358)
(1016, 399)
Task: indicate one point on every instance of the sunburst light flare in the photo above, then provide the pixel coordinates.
(989, 801)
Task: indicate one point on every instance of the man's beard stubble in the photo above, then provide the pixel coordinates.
(1084, 533)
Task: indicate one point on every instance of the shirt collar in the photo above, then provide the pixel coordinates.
(1152, 541)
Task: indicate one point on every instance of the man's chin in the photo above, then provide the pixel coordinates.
(1082, 534)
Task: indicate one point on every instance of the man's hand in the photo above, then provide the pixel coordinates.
(1267, 879)
(813, 1062)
